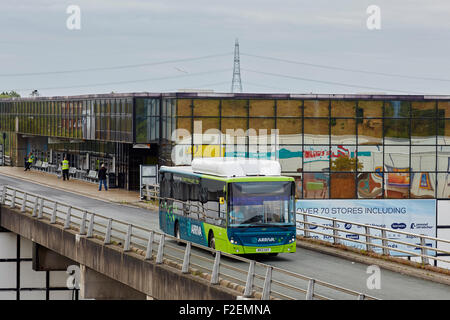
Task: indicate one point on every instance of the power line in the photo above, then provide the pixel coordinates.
(128, 81)
(263, 86)
(326, 82)
(113, 67)
(345, 69)
(201, 86)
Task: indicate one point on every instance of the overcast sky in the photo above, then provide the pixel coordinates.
(321, 37)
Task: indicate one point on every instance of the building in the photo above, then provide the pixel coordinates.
(336, 146)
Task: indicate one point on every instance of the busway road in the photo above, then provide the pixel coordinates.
(335, 270)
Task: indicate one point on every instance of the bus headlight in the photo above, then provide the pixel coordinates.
(233, 241)
(292, 239)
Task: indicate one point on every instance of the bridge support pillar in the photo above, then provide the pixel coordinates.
(94, 285)
(47, 260)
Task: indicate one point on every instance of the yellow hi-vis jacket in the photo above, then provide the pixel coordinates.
(65, 165)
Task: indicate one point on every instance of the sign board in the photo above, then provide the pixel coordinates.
(413, 216)
(148, 174)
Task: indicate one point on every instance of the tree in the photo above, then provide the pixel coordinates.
(343, 184)
(11, 94)
(345, 163)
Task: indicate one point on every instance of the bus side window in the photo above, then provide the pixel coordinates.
(165, 187)
(180, 187)
(194, 191)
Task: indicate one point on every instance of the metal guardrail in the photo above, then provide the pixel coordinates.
(254, 279)
(419, 250)
(7, 161)
(150, 191)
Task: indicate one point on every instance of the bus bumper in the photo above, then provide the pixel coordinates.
(287, 248)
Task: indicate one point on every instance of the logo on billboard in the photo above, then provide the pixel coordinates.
(396, 225)
(420, 226)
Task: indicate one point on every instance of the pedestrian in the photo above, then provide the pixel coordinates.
(65, 169)
(29, 161)
(102, 178)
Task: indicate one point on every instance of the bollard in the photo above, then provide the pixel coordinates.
(306, 226)
(186, 260)
(126, 246)
(24, 203)
(34, 213)
(41, 209)
(13, 199)
(267, 284)
(90, 232)
(310, 291)
(148, 253)
(423, 251)
(67, 223)
(335, 232)
(368, 239)
(384, 242)
(53, 218)
(160, 254)
(108, 232)
(250, 277)
(215, 270)
(83, 224)
(4, 195)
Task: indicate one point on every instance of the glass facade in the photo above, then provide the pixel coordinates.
(335, 148)
(356, 146)
(88, 119)
(89, 131)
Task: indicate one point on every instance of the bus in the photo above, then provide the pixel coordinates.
(237, 206)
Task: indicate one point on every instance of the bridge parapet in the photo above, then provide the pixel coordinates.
(150, 262)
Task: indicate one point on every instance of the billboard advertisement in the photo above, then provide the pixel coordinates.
(416, 216)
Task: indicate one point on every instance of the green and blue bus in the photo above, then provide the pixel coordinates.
(237, 206)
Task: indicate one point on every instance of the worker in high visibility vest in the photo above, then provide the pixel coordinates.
(65, 168)
(29, 161)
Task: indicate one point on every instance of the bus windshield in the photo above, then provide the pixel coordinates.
(261, 203)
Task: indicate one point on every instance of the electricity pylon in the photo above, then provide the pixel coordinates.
(236, 84)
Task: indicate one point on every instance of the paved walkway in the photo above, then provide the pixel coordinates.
(85, 188)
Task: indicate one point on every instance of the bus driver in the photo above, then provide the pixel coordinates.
(237, 215)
